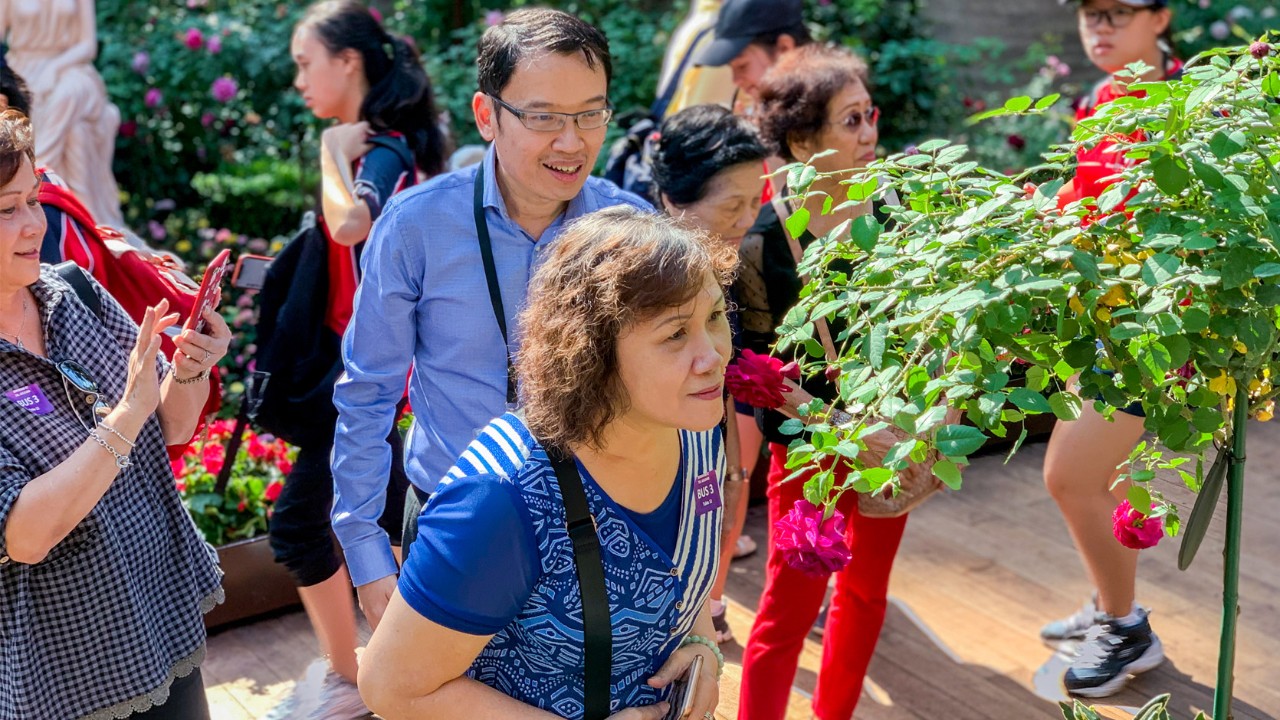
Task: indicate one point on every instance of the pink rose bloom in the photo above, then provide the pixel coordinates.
(811, 543)
(224, 236)
(224, 89)
(222, 427)
(757, 380)
(494, 17)
(213, 456)
(257, 450)
(194, 39)
(179, 467)
(284, 465)
(153, 98)
(214, 45)
(1135, 530)
(141, 61)
(207, 119)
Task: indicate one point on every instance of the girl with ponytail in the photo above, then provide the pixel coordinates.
(385, 138)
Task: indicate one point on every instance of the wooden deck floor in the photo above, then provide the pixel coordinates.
(978, 573)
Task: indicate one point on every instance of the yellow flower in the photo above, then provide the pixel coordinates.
(1103, 314)
(1076, 306)
(1115, 297)
(1224, 384)
(1240, 347)
(1266, 412)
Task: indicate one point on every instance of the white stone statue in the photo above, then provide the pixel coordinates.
(52, 44)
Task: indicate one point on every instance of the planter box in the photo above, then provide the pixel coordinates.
(254, 583)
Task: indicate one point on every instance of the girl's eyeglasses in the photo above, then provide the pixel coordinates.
(1116, 17)
(854, 122)
(76, 376)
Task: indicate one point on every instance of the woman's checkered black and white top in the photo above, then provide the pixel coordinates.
(102, 626)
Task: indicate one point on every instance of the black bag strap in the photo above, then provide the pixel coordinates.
(597, 626)
(491, 277)
(74, 276)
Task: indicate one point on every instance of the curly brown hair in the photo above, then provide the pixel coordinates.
(16, 140)
(796, 91)
(609, 270)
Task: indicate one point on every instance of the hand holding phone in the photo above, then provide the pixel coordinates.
(684, 690)
(208, 293)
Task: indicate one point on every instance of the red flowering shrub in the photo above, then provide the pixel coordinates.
(258, 471)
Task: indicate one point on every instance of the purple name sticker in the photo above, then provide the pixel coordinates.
(31, 398)
(706, 493)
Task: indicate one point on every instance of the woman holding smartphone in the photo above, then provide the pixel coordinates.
(385, 137)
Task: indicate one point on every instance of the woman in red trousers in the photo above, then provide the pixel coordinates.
(813, 100)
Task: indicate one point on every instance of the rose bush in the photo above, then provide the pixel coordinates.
(240, 510)
(1164, 290)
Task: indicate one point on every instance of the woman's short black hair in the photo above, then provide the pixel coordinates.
(697, 143)
(530, 31)
(14, 88)
(400, 96)
(796, 91)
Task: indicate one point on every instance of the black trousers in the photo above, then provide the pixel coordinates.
(186, 701)
(414, 501)
(301, 531)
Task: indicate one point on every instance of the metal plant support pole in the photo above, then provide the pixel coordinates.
(1231, 556)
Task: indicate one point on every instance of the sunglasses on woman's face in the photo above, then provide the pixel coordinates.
(854, 122)
(76, 377)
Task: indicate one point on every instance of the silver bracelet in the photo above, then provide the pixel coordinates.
(122, 461)
(707, 642)
(203, 375)
(117, 433)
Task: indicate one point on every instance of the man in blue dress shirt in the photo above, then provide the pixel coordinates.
(426, 301)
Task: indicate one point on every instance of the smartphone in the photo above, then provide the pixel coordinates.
(208, 292)
(250, 272)
(684, 690)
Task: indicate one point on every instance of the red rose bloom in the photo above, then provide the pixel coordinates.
(757, 380)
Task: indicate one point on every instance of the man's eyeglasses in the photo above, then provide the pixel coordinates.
(854, 122)
(1116, 17)
(543, 121)
(76, 376)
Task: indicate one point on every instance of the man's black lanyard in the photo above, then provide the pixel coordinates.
(491, 277)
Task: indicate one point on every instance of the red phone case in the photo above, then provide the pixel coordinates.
(208, 287)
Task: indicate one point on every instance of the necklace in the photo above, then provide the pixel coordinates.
(17, 339)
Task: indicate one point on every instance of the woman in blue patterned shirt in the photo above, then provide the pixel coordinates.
(622, 364)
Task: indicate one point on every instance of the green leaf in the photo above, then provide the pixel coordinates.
(1047, 101)
(1017, 104)
(1202, 512)
(959, 441)
(1160, 268)
(929, 146)
(1029, 400)
(876, 341)
(798, 222)
(1271, 84)
(1171, 174)
(1037, 378)
(865, 232)
(1140, 498)
(1267, 270)
(949, 473)
(1065, 405)
(791, 426)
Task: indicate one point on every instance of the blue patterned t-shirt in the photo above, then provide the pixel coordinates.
(493, 558)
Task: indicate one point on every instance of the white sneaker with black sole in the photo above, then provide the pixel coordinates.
(1074, 626)
(1110, 654)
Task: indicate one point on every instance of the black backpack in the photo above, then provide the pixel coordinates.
(290, 391)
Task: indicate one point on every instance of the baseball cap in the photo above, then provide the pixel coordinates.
(742, 21)
(1130, 3)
